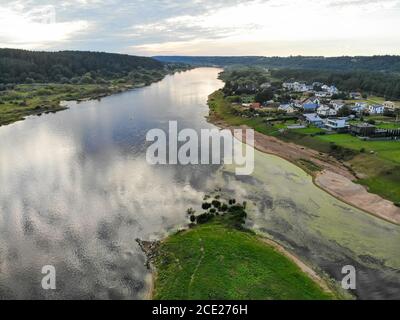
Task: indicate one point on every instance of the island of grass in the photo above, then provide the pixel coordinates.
(218, 259)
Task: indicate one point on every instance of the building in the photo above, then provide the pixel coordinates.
(337, 104)
(288, 108)
(314, 119)
(332, 90)
(325, 111)
(391, 106)
(337, 124)
(296, 86)
(376, 109)
(310, 107)
(314, 100)
(359, 107)
(363, 129)
(355, 95)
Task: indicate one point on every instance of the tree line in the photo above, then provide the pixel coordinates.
(385, 63)
(22, 66)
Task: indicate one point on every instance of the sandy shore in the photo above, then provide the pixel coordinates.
(335, 178)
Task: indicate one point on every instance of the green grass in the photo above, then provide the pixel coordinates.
(308, 166)
(308, 130)
(215, 261)
(389, 125)
(388, 150)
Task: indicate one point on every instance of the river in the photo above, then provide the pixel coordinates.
(76, 191)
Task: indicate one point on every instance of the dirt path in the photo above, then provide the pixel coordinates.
(334, 178)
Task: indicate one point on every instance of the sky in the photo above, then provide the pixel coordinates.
(204, 27)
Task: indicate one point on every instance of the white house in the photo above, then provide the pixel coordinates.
(359, 107)
(389, 105)
(325, 111)
(336, 124)
(337, 104)
(296, 86)
(288, 108)
(313, 118)
(333, 90)
(313, 100)
(376, 109)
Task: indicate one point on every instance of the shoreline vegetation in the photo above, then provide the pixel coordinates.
(35, 83)
(216, 257)
(337, 177)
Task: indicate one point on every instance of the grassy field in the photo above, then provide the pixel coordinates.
(217, 261)
(376, 162)
(388, 150)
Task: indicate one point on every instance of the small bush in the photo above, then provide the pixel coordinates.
(204, 218)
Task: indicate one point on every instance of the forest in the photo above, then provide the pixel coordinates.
(386, 63)
(75, 67)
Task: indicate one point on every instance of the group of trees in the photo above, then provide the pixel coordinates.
(21, 66)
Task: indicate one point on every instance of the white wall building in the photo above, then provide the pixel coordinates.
(325, 111)
(376, 109)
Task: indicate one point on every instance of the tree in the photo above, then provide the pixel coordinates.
(264, 95)
(344, 111)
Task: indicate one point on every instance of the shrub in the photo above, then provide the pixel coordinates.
(206, 206)
(203, 218)
(216, 204)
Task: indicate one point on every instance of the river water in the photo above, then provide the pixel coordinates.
(76, 191)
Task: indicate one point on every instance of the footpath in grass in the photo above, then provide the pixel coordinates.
(217, 259)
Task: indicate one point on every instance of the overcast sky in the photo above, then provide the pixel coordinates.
(204, 27)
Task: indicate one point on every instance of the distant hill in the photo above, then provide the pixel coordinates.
(21, 66)
(374, 63)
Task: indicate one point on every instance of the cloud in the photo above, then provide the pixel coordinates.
(372, 4)
(36, 27)
(145, 26)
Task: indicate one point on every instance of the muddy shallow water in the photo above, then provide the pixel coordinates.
(76, 191)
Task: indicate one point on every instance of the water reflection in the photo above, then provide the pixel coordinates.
(76, 191)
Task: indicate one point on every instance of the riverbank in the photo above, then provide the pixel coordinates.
(330, 174)
(36, 99)
(218, 259)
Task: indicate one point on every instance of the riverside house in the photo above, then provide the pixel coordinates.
(310, 107)
(313, 119)
(339, 125)
(376, 109)
(288, 108)
(325, 111)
